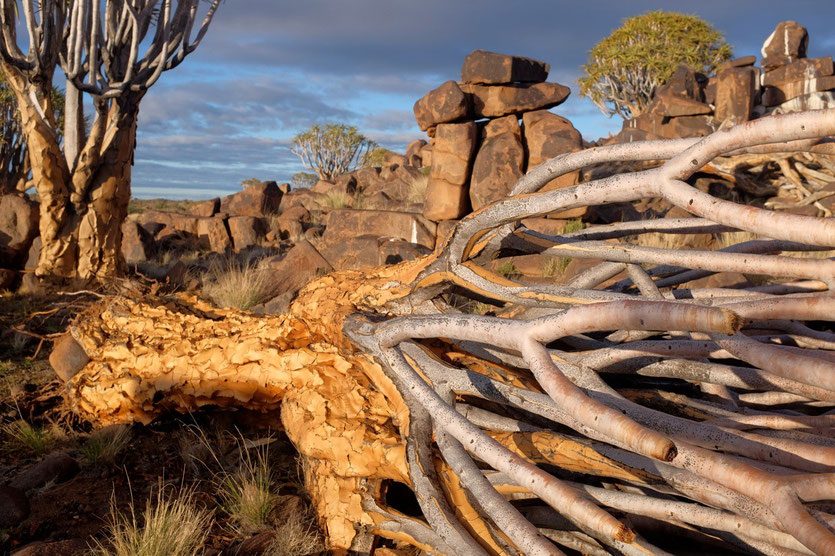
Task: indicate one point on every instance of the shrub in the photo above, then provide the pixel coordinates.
(625, 68)
(332, 150)
(246, 494)
(239, 285)
(376, 158)
(303, 180)
(37, 440)
(103, 446)
(249, 182)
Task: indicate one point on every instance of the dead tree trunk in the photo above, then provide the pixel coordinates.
(84, 184)
(518, 433)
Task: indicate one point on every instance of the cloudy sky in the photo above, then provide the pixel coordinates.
(270, 68)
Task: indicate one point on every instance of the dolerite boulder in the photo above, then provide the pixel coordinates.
(246, 231)
(499, 163)
(212, 233)
(160, 223)
(671, 105)
(290, 272)
(445, 104)
(481, 66)
(18, 227)
(205, 208)
(684, 82)
(495, 101)
(785, 45)
(256, 200)
(452, 152)
(137, 244)
(369, 251)
(547, 135)
(735, 90)
(799, 78)
(345, 223)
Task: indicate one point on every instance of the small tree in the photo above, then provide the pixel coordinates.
(331, 150)
(302, 180)
(626, 67)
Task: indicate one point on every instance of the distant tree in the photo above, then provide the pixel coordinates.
(376, 158)
(249, 182)
(304, 180)
(113, 51)
(331, 150)
(625, 68)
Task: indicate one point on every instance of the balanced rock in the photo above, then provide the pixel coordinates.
(447, 192)
(786, 44)
(481, 66)
(499, 163)
(447, 103)
(495, 101)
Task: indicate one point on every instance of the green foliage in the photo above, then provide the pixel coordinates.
(573, 225)
(249, 182)
(508, 269)
(246, 495)
(554, 266)
(332, 150)
(37, 440)
(303, 180)
(376, 158)
(625, 68)
(103, 446)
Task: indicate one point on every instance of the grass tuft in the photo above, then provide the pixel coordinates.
(239, 285)
(555, 266)
(335, 200)
(417, 188)
(297, 536)
(37, 440)
(508, 270)
(171, 525)
(103, 446)
(573, 225)
(246, 494)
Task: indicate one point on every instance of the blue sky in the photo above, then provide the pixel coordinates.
(268, 69)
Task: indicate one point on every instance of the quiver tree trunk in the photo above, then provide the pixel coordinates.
(594, 415)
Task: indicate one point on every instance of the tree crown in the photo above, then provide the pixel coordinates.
(625, 68)
(331, 150)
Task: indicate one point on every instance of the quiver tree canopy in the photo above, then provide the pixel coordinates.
(112, 50)
(626, 68)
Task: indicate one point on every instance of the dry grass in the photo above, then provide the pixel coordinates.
(297, 536)
(103, 446)
(239, 285)
(246, 494)
(508, 270)
(555, 266)
(417, 188)
(335, 200)
(38, 440)
(171, 525)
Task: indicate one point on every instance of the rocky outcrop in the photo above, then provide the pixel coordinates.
(499, 163)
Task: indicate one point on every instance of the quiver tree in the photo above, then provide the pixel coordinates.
(626, 68)
(590, 415)
(332, 150)
(112, 50)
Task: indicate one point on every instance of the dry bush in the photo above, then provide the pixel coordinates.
(103, 446)
(239, 285)
(418, 187)
(171, 525)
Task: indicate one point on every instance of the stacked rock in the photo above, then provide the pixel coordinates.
(691, 105)
(479, 148)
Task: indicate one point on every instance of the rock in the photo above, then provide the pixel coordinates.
(452, 153)
(346, 223)
(301, 198)
(612, 213)
(323, 186)
(445, 200)
(786, 44)
(162, 223)
(66, 547)
(205, 208)
(547, 135)
(783, 92)
(368, 251)
(177, 274)
(136, 242)
(14, 507)
(18, 228)
(481, 66)
(499, 162)
(67, 357)
(346, 183)
(799, 70)
(445, 104)
(285, 188)
(444, 229)
(413, 151)
(673, 105)
(246, 231)
(56, 467)
(7, 278)
(290, 223)
(213, 234)
(683, 82)
(291, 272)
(426, 155)
(745, 61)
(691, 126)
(812, 101)
(494, 101)
(368, 178)
(256, 200)
(735, 90)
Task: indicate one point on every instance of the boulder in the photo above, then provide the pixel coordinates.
(799, 70)
(445, 200)
(745, 61)
(499, 162)
(246, 231)
(735, 90)
(205, 208)
(547, 135)
(413, 152)
(66, 547)
(14, 507)
(452, 153)
(783, 92)
(367, 178)
(300, 198)
(495, 101)
(346, 183)
(18, 228)
(426, 155)
(160, 223)
(137, 244)
(67, 357)
(56, 467)
(256, 200)
(786, 44)
(684, 83)
(481, 66)
(7, 278)
(213, 234)
(445, 104)
(290, 223)
(291, 272)
(444, 229)
(812, 101)
(346, 223)
(369, 251)
(673, 105)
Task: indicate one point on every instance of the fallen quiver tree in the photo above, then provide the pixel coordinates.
(594, 415)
